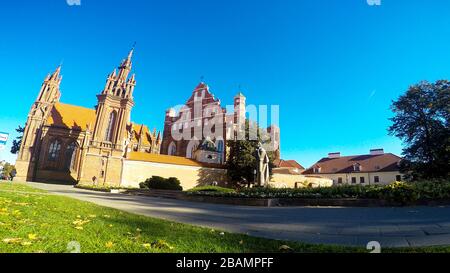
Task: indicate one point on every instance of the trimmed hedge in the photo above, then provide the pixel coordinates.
(401, 192)
(160, 183)
(211, 189)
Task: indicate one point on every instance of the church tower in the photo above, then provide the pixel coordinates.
(109, 140)
(239, 115)
(114, 107)
(40, 111)
(239, 108)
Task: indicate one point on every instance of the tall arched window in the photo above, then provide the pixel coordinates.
(110, 128)
(172, 149)
(54, 149)
(71, 156)
(191, 148)
(220, 148)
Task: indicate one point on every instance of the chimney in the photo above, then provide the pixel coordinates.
(377, 152)
(334, 155)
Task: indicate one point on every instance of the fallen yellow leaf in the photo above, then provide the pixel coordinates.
(12, 240)
(109, 244)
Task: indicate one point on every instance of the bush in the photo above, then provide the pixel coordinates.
(211, 189)
(433, 189)
(160, 183)
(398, 192)
(401, 192)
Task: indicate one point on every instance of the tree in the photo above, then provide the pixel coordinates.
(18, 141)
(7, 170)
(421, 121)
(241, 162)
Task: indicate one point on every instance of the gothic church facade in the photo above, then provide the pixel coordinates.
(64, 142)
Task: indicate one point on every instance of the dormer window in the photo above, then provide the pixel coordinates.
(317, 169)
(357, 167)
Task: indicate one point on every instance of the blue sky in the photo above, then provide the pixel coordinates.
(333, 66)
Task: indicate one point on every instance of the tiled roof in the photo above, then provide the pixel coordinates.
(286, 171)
(167, 159)
(369, 163)
(145, 133)
(71, 117)
(288, 164)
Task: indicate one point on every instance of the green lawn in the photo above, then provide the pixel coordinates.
(33, 221)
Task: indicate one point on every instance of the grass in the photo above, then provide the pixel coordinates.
(32, 221)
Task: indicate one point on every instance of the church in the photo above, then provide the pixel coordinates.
(201, 128)
(64, 142)
(102, 146)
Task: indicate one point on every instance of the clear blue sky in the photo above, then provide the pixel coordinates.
(333, 66)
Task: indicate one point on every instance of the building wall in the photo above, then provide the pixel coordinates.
(135, 172)
(103, 170)
(296, 181)
(369, 178)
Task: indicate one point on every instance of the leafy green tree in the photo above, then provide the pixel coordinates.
(8, 169)
(18, 141)
(421, 121)
(241, 162)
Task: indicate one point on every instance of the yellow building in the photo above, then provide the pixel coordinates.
(376, 168)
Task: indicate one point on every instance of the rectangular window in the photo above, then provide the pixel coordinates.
(398, 178)
(353, 180)
(362, 180)
(376, 179)
(340, 180)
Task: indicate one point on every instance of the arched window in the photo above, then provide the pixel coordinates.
(71, 156)
(172, 149)
(191, 148)
(220, 149)
(110, 128)
(54, 149)
(220, 146)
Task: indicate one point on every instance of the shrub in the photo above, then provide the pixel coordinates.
(433, 189)
(160, 183)
(401, 192)
(211, 189)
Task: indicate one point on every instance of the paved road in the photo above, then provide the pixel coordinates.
(392, 227)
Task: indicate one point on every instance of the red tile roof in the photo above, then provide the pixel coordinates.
(288, 164)
(369, 163)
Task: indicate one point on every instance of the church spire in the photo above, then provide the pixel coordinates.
(56, 74)
(126, 66)
(130, 55)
